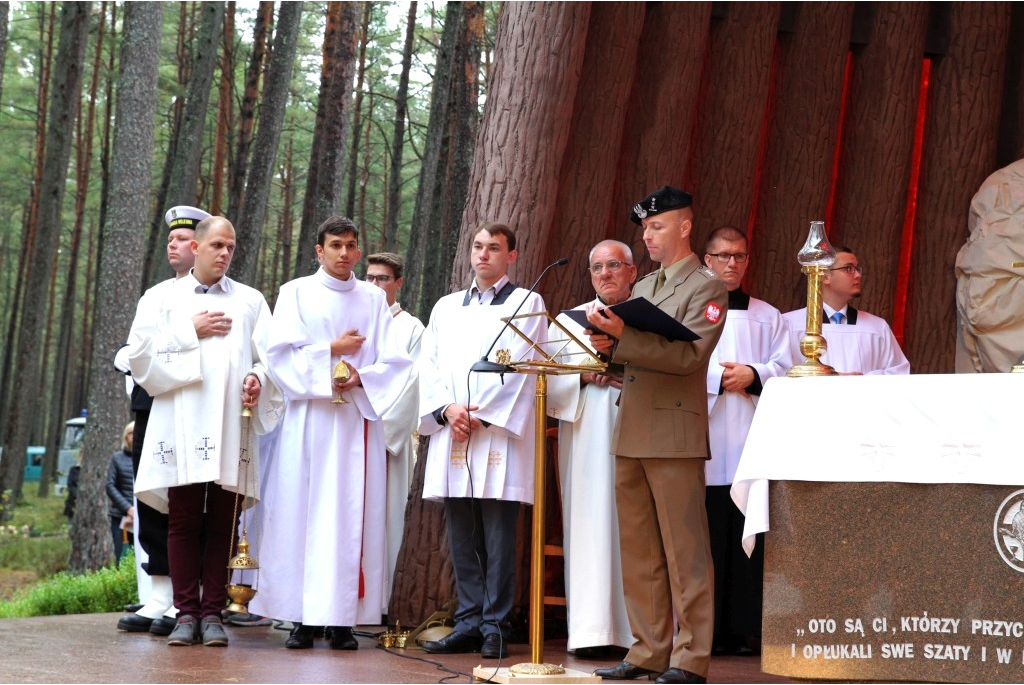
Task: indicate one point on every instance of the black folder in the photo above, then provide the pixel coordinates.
(643, 315)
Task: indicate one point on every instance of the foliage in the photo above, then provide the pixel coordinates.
(36, 539)
(105, 590)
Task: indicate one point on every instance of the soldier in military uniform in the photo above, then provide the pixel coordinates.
(661, 444)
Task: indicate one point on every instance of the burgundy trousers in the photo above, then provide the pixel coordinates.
(201, 522)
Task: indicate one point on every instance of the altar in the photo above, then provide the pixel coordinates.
(895, 511)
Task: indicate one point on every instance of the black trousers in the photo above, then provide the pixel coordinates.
(152, 523)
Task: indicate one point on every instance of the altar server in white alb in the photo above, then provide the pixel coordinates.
(323, 557)
(201, 354)
(753, 348)
(385, 270)
(486, 423)
(858, 342)
(586, 405)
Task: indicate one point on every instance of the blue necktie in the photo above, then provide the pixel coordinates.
(837, 318)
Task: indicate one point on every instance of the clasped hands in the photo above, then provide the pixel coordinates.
(460, 419)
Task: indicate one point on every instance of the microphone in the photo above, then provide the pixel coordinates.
(486, 366)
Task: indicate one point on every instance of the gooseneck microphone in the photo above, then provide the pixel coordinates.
(486, 366)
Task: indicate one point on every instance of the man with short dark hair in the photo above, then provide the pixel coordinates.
(324, 554)
(480, 459)
(753, 348)
(661, 443)
(384, 269)
(202, 356)
(859, 343)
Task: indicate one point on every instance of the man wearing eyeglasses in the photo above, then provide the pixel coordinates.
(587, 405)
(385, 270)
(859, 343)
(753, 348)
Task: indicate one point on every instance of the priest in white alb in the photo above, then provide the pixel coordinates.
(586, 405)
(323, 552)
(481, 428)
(385, 270)
(754, 347)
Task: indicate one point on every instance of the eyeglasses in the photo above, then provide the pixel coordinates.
(850, 269)
(724, 257)
(377, 279)
(612, 266)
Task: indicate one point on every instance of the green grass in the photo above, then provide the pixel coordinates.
(36, 541)
(102, 591)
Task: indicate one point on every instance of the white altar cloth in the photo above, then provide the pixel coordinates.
(942, 428)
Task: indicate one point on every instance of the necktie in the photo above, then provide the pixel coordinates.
(837, 318)
(660, 281)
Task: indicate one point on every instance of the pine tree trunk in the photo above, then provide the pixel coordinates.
(185, 159)
(390, 238)
(225, 113)
(247, 110)
(65, 101)
(268, 137)
(357, 114)
(323, 183)
(121, 253)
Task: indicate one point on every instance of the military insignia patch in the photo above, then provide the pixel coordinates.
(640, 211)
(713, 312)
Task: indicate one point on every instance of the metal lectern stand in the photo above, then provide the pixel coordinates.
(561, 356)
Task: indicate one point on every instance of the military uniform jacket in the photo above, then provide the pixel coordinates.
(663, 410)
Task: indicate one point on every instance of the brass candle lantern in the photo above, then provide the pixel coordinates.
(815, 257)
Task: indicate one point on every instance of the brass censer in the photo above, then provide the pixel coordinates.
(241, 593)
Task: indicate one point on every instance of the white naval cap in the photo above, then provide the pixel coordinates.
(184, 216)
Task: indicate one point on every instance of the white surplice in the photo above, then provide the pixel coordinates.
(323, 551)
(590, 525)
(399, 425)
(501, 455)
(758, 337)
(869, 347)
(195, 430)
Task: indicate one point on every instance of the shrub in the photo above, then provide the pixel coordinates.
(102, 591)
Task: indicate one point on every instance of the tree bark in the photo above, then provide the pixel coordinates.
(247, 111)
(357, 114)
(962, 134)
(268, 137)
(225, 113)
(184, 165)
(390, 237)
(800, 150)
(122, 253)
(323, 184)
(877, 149)
(64, 103)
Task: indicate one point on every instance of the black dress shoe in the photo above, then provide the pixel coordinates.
(453, 643)
(598, 652)
(624, 671)
(678, 675)
(163, 626)
(342, 638)
(133, 623)
(301, 637)
(494, 647)
(132, 608)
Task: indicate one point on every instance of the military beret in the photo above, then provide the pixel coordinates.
(664, 199)
(184, 216)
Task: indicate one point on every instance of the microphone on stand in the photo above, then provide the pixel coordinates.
(486, 366)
